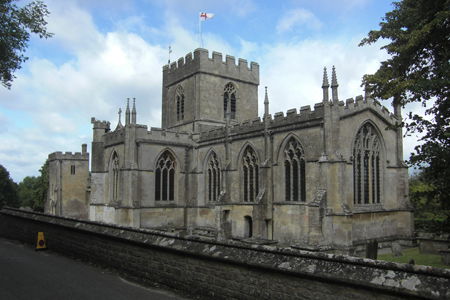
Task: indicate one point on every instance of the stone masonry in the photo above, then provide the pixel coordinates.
(329, 177)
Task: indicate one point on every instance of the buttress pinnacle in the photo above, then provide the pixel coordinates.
(127, 112)
(266, 103)
(334, 86)
(133, 112)
(325, 85)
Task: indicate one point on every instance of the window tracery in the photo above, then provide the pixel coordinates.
(213, 178)
(294, 170)
(366, 166)
(229, 100)
(250, 170)
(165, 178)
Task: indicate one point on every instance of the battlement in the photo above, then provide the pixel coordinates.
(156, 133)
(200, 62)
(257, 124)
(305, 114)
(100, 124)
(68, 156)
(360, 103)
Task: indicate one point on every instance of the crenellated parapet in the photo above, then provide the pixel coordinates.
(158, 135)
(68, 156)
(292, 116)
(353, 106)
(200, 62)
(277, 120)
(98, 124)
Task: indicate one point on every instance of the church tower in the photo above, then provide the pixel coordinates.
(198, 91)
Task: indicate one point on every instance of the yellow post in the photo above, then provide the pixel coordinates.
(40, 244)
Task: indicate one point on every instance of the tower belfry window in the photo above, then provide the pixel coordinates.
(250, 172)
(294, 170)
(165, 178)
(179, 99)
(229, 100)
(366, 166)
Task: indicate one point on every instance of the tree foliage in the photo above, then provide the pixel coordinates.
(8, 189)
(429, 215)
(16, 26)
(32, 190)
(418, 71)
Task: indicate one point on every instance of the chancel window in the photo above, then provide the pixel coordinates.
(229, 100)
(366, 166)
(294, 171)
(213, 178)
(165, 178)
(179, 98)
(251, 175)
(114, 169)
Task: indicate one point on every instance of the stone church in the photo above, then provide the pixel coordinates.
(328, 177)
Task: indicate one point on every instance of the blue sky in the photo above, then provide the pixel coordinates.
(104, 51)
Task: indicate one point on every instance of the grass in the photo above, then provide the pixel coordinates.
(433, 260)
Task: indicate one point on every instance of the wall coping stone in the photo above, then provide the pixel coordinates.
(404, 279)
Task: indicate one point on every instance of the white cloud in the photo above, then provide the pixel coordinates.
(293, 71)
(298, 17)
(104, 68)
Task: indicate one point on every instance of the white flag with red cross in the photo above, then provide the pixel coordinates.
(205, 16)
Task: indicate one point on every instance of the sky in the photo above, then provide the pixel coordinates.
(105, 51)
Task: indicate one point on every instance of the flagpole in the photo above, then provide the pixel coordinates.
(199, 30)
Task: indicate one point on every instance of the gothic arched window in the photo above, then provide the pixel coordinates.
(165, 177)
(250, 171)
(294, 171)
(179, 97)
(229, 100)
(114, 172)
(366, 166)
(213, 178)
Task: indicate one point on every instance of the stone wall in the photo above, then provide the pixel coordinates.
(226, 270)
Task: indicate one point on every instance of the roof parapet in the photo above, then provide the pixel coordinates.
(199, 61)
(68, 156)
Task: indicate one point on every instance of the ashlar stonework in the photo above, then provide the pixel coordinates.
(328, 178)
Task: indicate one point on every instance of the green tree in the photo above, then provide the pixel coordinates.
(16, 25)
(32, 190)
(417, 33)
(42, 188)
(27, 191)
(8, 189)
(429, 215)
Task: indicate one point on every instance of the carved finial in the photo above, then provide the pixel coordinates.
(266, 103)
(127, 112)
(325, 78)
(334, 85)
(119, 124)
(325, 85)
(333, 77)
(133, 112)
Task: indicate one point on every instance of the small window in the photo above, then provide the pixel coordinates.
(180, 103)
(229, 100)
(72, 169)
